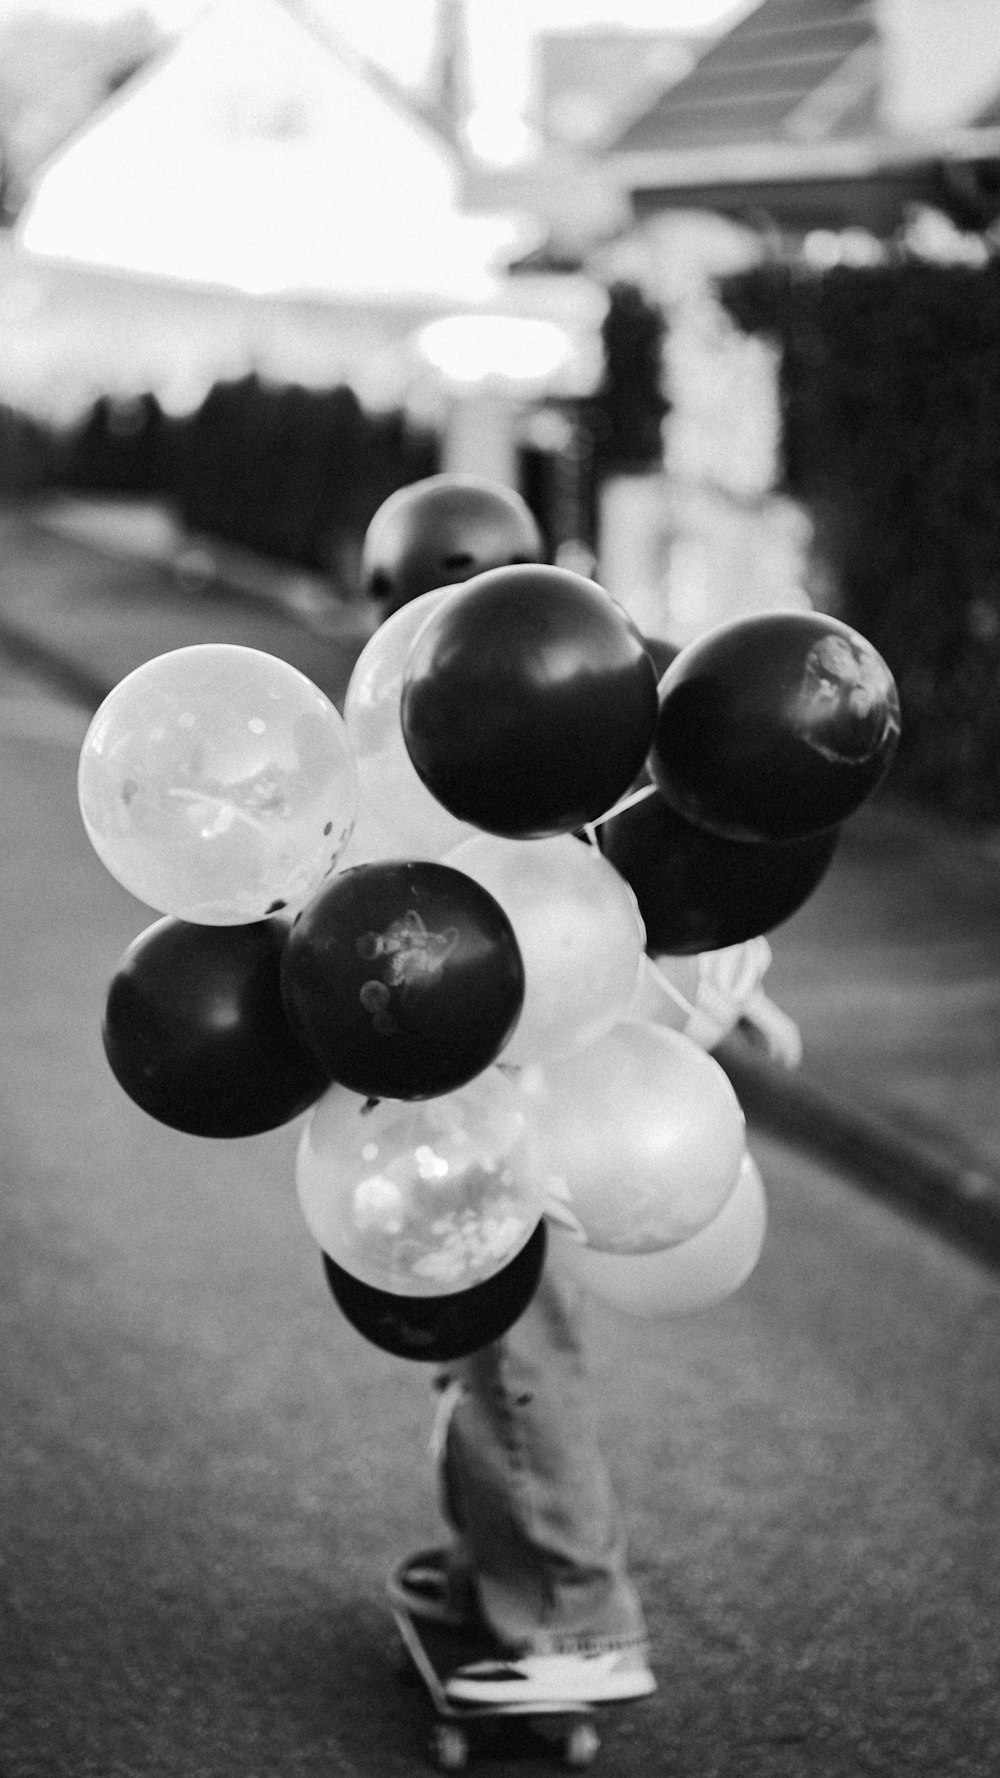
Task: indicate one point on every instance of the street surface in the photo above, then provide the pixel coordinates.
(207, 1473)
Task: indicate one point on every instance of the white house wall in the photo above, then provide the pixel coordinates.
(252, 156)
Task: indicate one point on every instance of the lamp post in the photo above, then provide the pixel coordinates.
(490, 365)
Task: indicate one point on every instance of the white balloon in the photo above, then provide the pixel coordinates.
(217, 784)
(697, 1274)
(639, 1137)
(578, 929)
(389, 786)
(373, 842)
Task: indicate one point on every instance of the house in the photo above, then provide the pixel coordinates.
(258, 197)
(258, 152)
(828, 114)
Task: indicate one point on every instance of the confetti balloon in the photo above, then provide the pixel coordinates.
(217, 784)
(439, 531)
(389, 789)
(774, 727)
(639, 1137)
(420, 1200)
(578, 931)
(439, 1329)
(693, 1275)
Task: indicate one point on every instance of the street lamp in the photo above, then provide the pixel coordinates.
(490, 364)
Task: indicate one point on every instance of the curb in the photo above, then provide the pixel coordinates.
(55, 666)
(933, 1177)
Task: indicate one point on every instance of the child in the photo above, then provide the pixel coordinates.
(538, 1550)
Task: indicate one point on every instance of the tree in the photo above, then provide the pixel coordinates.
(630, 402)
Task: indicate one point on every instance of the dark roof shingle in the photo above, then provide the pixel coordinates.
(751, 83)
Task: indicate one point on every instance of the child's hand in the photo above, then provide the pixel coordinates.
(766, 1024)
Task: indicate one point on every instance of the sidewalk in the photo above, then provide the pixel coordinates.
(892, 968)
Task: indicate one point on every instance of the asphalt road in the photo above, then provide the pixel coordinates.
(206, 1473)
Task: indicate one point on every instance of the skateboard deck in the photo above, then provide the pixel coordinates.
(433, 1652)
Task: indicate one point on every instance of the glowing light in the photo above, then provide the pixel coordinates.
(508, 348)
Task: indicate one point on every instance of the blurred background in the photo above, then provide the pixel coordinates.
(714, 285)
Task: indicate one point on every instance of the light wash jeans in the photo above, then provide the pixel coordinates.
(524, 1486)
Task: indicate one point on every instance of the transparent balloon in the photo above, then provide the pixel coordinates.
(389, 787)
(694, 1275)
(579, 933)
(640, 1138)
(217, 783)
(421, 1200)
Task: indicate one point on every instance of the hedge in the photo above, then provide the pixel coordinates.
(292, 473)
(891, 408)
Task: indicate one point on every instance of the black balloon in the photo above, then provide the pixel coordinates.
(529, 702)
(774, 727)
(440, 531)
(196, 1032)
(698, 892)
(404, 978)
(437, 1329)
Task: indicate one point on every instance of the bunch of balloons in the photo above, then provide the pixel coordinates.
(449, 923)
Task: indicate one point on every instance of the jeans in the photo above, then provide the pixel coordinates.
(538, 1531)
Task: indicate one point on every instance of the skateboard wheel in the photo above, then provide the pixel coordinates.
(581, 1746)
(449, 1748)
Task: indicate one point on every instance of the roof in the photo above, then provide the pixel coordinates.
(593, 82)
(258, 152)
(780, 123)
(791, 69)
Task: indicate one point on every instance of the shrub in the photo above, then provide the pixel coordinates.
(891, 415)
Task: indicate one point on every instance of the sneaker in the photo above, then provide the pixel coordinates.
(581, 1677)
(433, 1588)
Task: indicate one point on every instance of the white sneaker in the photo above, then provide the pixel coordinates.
(580, 1677)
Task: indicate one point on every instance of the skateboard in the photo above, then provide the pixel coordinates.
(433, 1651)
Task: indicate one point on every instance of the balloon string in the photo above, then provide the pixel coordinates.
(627, 802)
(675, 994)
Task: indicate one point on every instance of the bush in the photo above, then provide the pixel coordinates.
(891, 408)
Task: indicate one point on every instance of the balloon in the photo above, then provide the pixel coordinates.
(404, 978)
(196, 1033)
(578, 931)
(442, 530)
(639, 1138)
(695, 1274)
(529, 702)
(389, 788)
(438, 1329)
(216, 783)
(699, 892)
(421, 1200)
(774, 727)
(372, 842)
